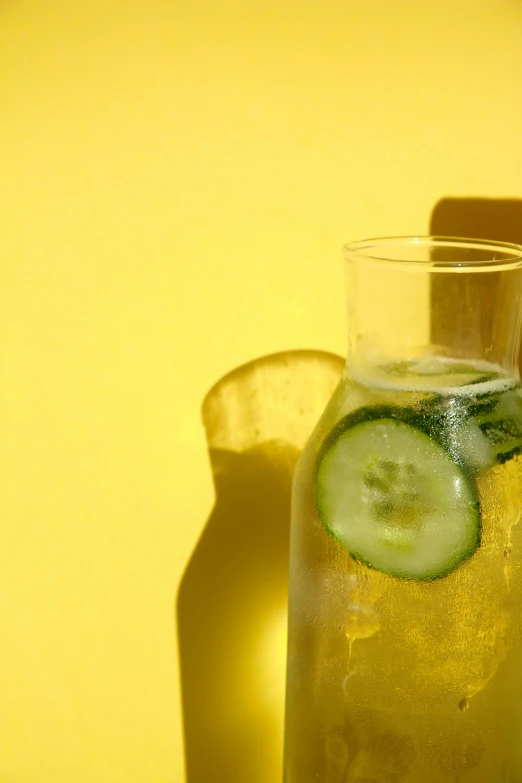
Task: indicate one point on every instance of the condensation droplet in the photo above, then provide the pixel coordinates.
(507, 551)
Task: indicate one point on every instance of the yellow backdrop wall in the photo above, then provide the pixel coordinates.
(176, 180)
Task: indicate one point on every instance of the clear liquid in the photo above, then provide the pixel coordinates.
(396, 681)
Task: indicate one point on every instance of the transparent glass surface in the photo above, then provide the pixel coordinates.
(405, 617)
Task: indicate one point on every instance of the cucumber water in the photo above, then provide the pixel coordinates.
(396, 480)
(406, 576)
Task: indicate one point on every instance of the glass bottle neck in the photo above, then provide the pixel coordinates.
(399, 312)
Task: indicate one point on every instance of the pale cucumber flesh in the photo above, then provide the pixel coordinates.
(395, 498)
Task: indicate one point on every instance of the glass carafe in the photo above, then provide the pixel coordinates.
(405, 619)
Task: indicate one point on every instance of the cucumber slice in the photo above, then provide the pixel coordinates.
(469, 447)
(478, 431)
(498, 418)
(395, 498)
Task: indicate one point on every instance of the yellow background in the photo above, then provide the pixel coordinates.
(176, 179)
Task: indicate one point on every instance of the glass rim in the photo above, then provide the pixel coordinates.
(504, 255)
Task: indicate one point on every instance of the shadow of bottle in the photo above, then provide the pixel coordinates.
(499, 219)
(478, 218)
(232, 600)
